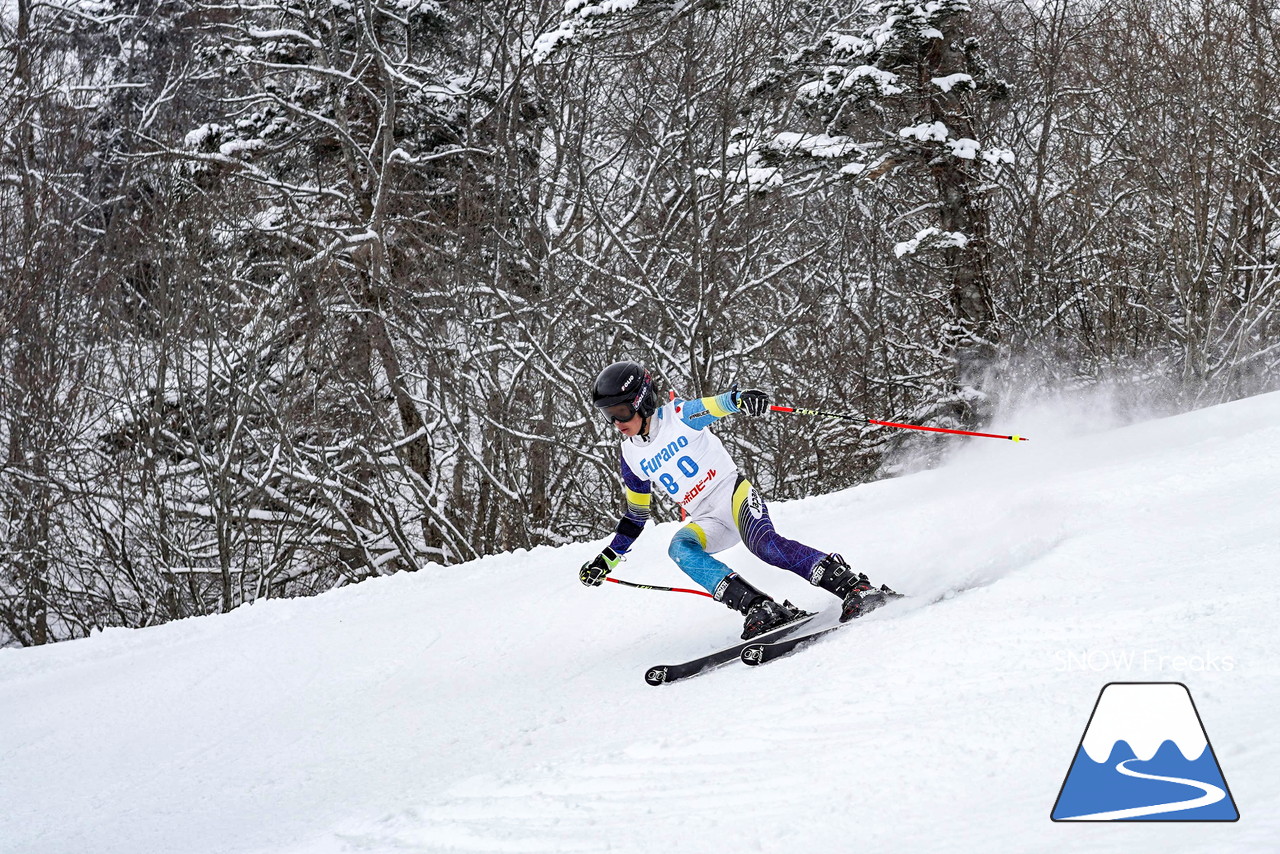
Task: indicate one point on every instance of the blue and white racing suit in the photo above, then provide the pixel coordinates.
(689, 464)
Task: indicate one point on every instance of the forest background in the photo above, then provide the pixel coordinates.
(299, 292)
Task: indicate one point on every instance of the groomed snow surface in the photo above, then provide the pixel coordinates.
(500, 706)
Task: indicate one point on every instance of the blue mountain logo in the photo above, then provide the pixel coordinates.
(1145, 756)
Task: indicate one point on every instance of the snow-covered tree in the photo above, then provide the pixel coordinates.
(347, 127)
(897, 106)
(296, 293)
(893, 100)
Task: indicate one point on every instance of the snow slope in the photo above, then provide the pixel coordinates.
(500, 706)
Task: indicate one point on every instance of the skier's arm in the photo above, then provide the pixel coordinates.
(639, 495)
(705, 411)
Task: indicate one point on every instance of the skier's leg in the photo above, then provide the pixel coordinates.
(751, 515)
(690, 548)
(829, 571)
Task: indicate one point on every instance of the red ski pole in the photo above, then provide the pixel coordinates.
(790, 410)
(658, 587)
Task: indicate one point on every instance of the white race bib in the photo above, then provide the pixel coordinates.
(681, 462)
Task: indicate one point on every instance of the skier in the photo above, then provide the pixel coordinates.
(670, 446)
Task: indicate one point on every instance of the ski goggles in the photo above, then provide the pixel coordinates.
(618, 413)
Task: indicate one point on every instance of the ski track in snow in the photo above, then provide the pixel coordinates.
(500, 706)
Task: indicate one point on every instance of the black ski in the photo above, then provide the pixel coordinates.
(760, 651)
(666, 673)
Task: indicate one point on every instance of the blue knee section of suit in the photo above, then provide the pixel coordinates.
(687, 551)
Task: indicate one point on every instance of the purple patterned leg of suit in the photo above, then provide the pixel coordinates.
(756, 528)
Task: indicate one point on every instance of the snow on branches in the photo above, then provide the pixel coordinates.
(930, 238)
(587, 20)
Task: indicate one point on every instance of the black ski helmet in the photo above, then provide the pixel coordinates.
(626, 382)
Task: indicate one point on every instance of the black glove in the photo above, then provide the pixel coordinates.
(752, 402)
(593, 572)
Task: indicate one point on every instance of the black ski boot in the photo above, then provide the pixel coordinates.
(761, 611)
(834, 575)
